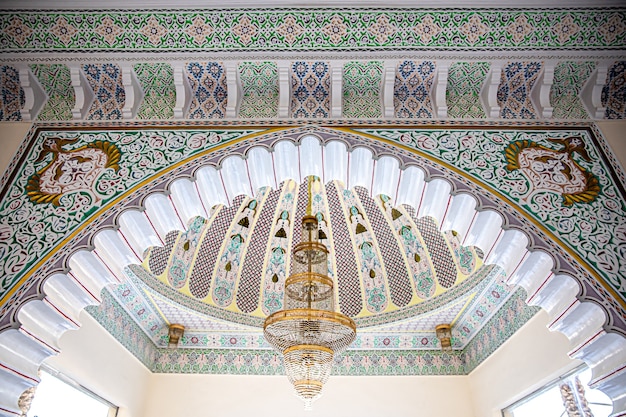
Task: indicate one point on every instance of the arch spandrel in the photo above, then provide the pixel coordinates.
(490, 197)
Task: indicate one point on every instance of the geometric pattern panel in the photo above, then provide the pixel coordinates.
(361, 89)
(614, 92)
(314, 28)
(310, 90)
(465, 80)
(412, 88)
(109, 96)
(445, 267)
(516, 82)
(569, 78)
(57, 83)
(157, 82)
(11, 94)
(208, 90)
(259, 82)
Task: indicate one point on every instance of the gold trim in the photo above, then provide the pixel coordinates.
(310, 246)
(308, 382)
(308, 347)
(309, 314)
(309, 276)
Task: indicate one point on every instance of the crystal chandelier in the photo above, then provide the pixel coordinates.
(308, 332)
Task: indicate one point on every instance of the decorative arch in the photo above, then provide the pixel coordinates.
(134, 222)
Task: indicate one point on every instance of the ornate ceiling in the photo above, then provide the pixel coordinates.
(164, 174)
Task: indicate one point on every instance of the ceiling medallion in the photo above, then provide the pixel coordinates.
(308, 332)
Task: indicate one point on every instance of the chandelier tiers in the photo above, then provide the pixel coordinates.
(308, 332)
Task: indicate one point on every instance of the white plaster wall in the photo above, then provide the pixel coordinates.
(615, 133)
(94, 359)
(527, 361)
(11, 136)
(265, 396)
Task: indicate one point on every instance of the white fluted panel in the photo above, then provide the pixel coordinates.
(361, 168)
(235, 177)
(286, 163)
(460, 214)
(535, 269)
(138, 232)
(411, 187)
(557, 293)
(509, 250)
(311, 157)
(11, 387)
(114, 251)
(613, 387)
(90, 272)
(386, 177)
(186, 200)
(580, 323)
(336, 162)
(261, 169)
(162, 214)
(484, 230)
(604, 354)
(435, 201)
(21, 353)
(44, 323)
(210, 187)
(64, 294)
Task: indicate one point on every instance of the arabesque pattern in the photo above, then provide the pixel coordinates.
(465, 80)
(569, 77)
(56, 81)
(614, 92)
(412, 88)
(208, 86)
(12, 95)
(157, 83)
(361, 89)
(518, 79)
(259, 84)
(106, 82)
(310, 86)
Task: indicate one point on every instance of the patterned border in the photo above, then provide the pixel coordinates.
(345, 29)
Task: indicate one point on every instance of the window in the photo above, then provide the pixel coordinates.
(59, 396)
(569, 393)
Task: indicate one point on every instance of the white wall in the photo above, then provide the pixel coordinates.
(265, 396)
(615, 133)
(527, 361)
(11, 136)
(94, 359)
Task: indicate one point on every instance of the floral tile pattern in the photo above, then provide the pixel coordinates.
(310, 87)
(208, 86)
(56, 81)
(312, 29)
(259, 82)
(516, 82)
(106, 82)
(361, 89)
(411, 93)
(465, 80)
(11, 94)
(157, 82)
(614, 92)
(569, 78)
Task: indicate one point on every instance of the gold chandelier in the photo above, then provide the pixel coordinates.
(308, 332)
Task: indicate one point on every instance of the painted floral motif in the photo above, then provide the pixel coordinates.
(548, 170)
(63, 30)
(199, 30)
(11, 94)
(106, 82)
(565, 29)
(569, 78)
(427, 29)
(18, 31)
(57, 82)
(74, 171)
(465, 80)
(613, 28)
(208, 86)
(109, 30)
(517, 80)
(290, 30)
(335, 29)
(259, 84)
(519, 29)
(245, 30)
(382, 30)
(614, 92)
(310, 86)
(411, 95)
(157, 82)
(361, 89)
(473, 29)
(184, 251)
(154, 31)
